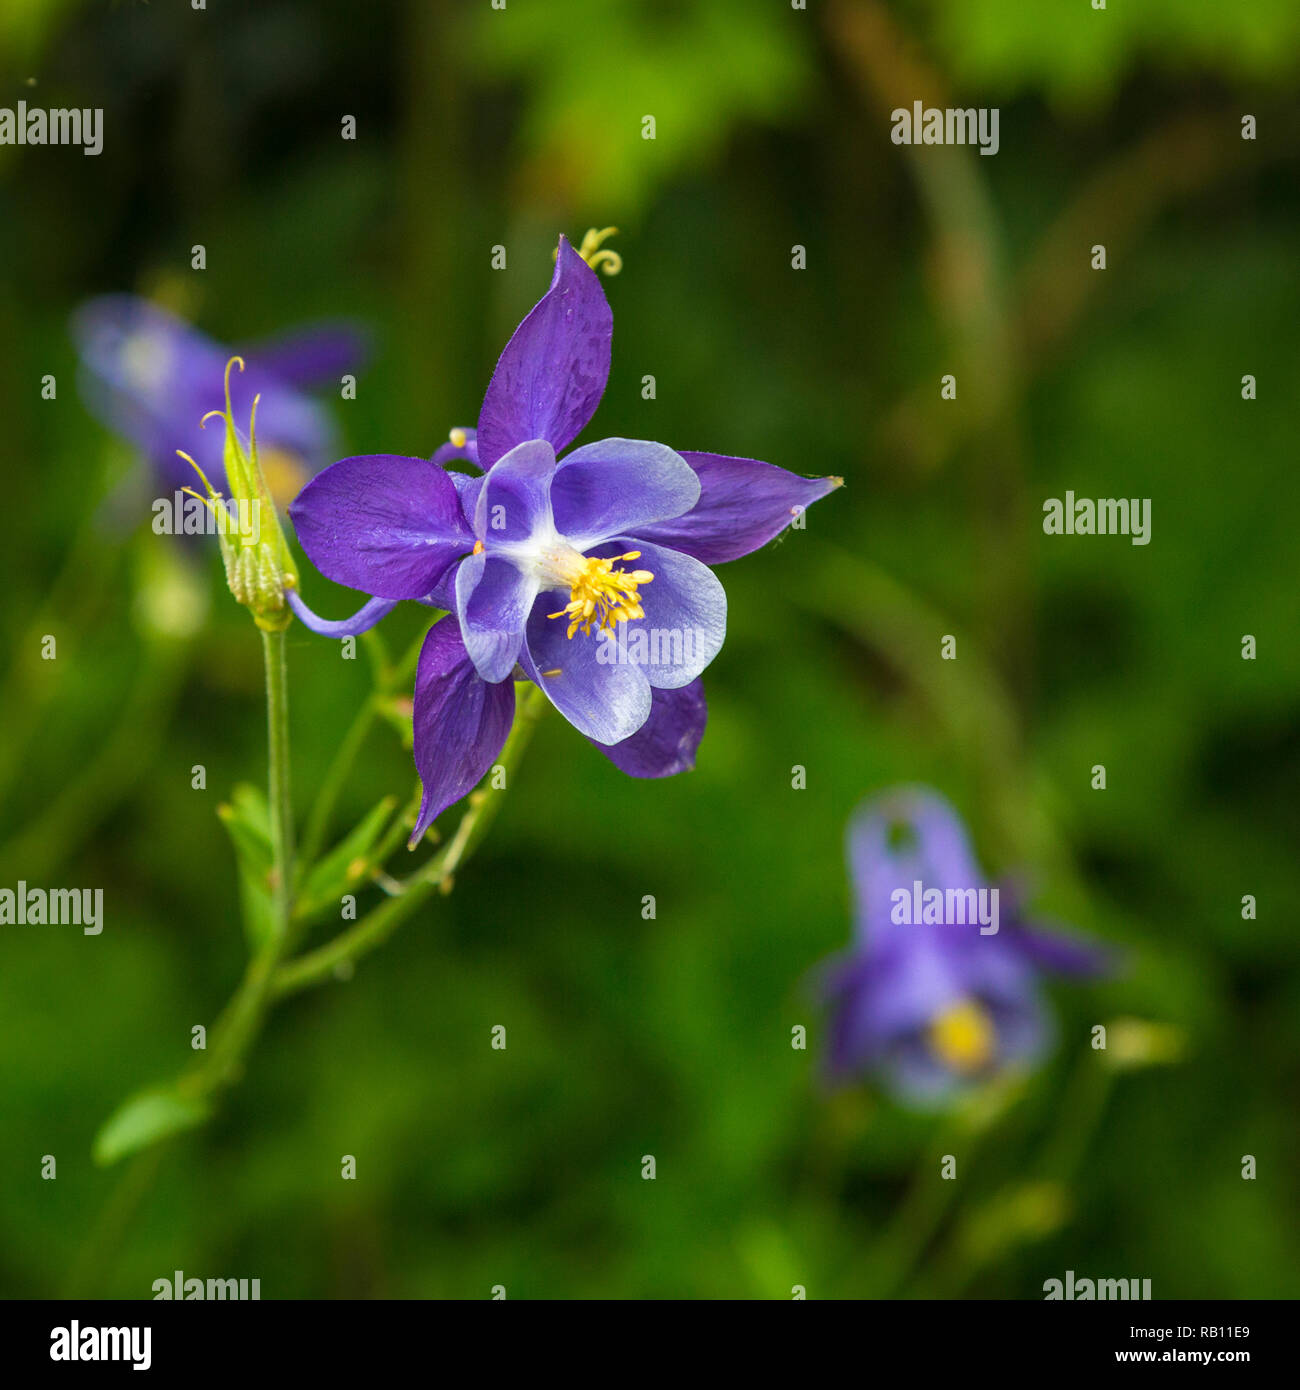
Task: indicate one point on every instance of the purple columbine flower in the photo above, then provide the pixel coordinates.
(150, 377)
(941, 985)
(587, 574)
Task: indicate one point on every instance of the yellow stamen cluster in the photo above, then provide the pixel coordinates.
(601, 595)
(963, 1037)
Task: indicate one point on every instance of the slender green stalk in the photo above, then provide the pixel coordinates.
(313, 839)
(268, 977)
(241, 1020)
(388, 677)
(114, 1221)
(1078, 1117)
(378, 925)
(919, 1218)
(1082, 1108)
(278, 794)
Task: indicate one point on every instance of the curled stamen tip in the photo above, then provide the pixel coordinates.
(596, 255)
(230, 364)
(212, 492)
(203, 424)
(234, 361)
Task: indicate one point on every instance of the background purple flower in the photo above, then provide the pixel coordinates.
(934, 1005)
(150, 377)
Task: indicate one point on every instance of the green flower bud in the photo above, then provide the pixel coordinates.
(259, 564)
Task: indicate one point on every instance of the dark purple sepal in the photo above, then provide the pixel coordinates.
(665, 744)
(552, 374)
(460, 722)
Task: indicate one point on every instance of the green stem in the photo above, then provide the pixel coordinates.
(377, 926)
(402, 673)
(241, 1020)
(313, 839)
(387, 678)
(131, 1188)
(1058, 1164)
(1084, 1103)
(918, 1219)
(274, 646)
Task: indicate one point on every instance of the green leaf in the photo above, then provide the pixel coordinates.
(251, 813)
(397, 711)
(247, 819)
(344, 866)
(144, 1119)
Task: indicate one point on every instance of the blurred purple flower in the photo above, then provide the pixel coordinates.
(549, 566)
(936, 1003)
(150, 377)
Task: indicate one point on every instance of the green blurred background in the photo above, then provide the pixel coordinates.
(672, 1037)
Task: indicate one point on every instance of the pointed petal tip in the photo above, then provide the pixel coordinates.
(744, 503)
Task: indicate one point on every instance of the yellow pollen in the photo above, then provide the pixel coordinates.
(601, 595)
(285, 474)
(457, 438)
(963, 1036)
(478, 548)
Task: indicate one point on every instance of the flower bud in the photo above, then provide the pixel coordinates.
(259, 564)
